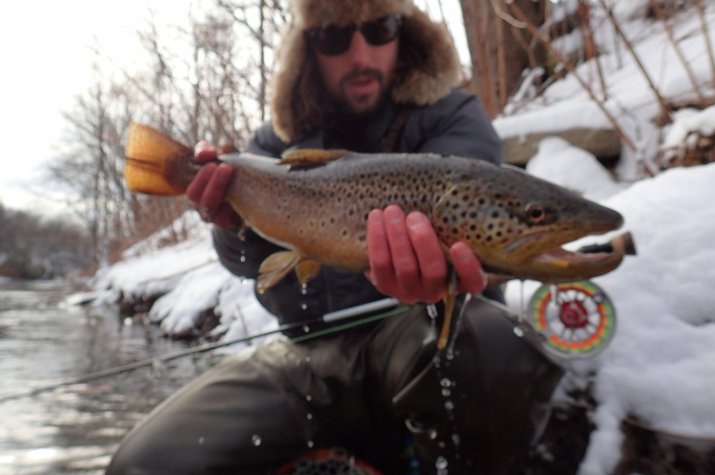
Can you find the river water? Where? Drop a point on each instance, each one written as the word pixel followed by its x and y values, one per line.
pixel 74 429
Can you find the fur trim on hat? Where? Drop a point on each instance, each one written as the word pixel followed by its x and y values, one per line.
pixel 428 65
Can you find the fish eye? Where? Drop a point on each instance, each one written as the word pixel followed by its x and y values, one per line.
pixel 535 213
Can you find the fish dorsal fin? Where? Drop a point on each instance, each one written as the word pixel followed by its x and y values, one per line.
pixel 303 158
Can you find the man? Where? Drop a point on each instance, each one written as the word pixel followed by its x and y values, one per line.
pixel 368 76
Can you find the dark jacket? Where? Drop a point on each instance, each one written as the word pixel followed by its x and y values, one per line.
pixel 454 125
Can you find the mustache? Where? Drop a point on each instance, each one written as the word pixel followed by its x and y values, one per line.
pixel 360 73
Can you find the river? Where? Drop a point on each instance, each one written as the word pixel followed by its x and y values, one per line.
pixel 74 429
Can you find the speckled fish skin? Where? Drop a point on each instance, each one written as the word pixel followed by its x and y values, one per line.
pixel 509 218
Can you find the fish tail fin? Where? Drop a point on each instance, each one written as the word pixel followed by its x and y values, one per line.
pixel 157 164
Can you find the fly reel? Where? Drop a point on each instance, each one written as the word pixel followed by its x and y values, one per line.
pixel 576 319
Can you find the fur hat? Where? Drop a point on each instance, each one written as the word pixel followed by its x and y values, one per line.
pixel 428 65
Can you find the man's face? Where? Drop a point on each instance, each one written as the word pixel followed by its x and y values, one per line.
pixel 360 77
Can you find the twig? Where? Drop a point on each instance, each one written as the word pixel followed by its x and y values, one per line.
pixel 663 17
pixel 590 48
pixel 706 37
pixel 664 111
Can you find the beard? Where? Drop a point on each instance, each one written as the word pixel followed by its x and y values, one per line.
pixel 361 105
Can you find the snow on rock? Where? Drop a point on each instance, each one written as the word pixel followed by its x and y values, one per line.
pixel 156 272
pixel 189 281
pixel 575 168
pixel 566 105
pixel 180 309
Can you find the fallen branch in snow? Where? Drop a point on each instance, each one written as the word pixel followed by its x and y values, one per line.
pixel 698 149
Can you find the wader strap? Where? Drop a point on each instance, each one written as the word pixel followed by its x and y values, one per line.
pixel 389 142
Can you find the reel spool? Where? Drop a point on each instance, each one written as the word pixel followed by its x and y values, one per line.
pixel 576 319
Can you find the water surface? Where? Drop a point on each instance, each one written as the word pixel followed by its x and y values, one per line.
pixel 74 429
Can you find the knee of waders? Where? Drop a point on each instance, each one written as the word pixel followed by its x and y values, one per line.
pixel 481 406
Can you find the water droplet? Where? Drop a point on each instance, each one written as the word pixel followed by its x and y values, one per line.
pixel 304 289
pixel 449 405
pixel 256 440
pixel 306 328
pixel 518 331
pixel 432 434
pixel 304 306
pixel 201 440
pixel 441 463
pixel 445 382
pixel 309 416
pixel 308 397
pixel 455 439
pixel 432 311
pixel 446 392
pixel 310 444
pixel 128 321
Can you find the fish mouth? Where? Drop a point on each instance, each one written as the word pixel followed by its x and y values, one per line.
pixel 559 264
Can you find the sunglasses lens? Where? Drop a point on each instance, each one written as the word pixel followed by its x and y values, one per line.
pixel 334 40
pixel 382 30
pixel 331 40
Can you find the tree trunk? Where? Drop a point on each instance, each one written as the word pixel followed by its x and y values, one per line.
pixel 498 51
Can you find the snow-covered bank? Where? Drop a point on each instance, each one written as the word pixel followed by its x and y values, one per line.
pixel 188 281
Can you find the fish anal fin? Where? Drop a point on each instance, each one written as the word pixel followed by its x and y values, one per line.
pixel 306 270
pixel 303 158
pixel 450 296
pixel 274 268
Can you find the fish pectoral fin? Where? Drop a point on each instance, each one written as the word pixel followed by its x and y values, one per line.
pixel 304 158
pixel 274 268
pixel 306 269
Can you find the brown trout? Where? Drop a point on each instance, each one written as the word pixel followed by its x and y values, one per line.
pixel 315 203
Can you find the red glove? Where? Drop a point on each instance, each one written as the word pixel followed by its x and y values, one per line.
pixel 208 188
pixel 407 261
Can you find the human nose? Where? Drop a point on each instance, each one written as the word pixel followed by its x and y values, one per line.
pixel 359 51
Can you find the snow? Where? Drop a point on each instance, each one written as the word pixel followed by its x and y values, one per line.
pixel 660 367
pixel 575 168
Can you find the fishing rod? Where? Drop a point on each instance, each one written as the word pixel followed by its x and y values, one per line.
pixel 387 308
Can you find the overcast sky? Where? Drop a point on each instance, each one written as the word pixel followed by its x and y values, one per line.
pixel 46 53
pixel 46 57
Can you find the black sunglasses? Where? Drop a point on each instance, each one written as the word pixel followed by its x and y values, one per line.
pixel 334 40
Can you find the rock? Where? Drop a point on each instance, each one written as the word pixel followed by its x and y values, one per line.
pixel 603 143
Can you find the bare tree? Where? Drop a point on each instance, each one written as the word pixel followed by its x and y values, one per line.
pixel 213 85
